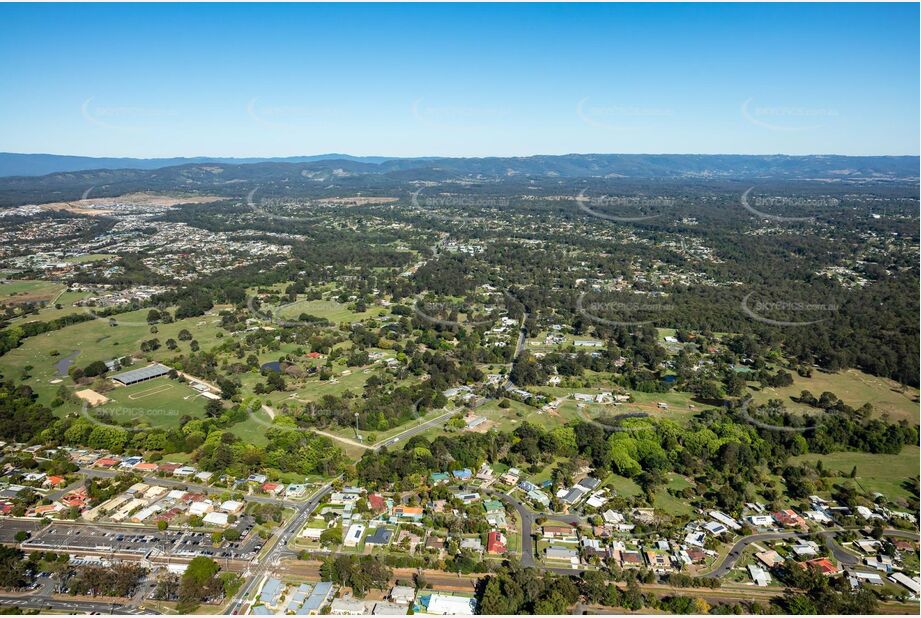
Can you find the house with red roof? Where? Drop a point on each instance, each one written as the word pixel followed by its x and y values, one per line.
pixel 377 503
pixel 146 466
pixel 496 543
pixel 76 499
pixel 106 462
pixel 169 468
pixel 272 488
pixel 824 565
pixel 168 515
pixel 54 481
pixel 789 518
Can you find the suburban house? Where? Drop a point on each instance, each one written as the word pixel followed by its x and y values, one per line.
pixel 562 532
pixel 496 543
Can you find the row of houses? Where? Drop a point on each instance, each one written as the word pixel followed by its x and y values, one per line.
pixel 566 544
pixel 136 463
pixel 278 598
pixel 147 503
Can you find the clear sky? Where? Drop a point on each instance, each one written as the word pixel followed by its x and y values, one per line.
pixel 458 80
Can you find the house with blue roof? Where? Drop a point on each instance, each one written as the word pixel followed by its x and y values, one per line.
pixel 463 475
pixel 271 592
pixel 439 477
pixel 298 597
pixel 317 599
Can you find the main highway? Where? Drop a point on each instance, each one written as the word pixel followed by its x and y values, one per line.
pixel 278 550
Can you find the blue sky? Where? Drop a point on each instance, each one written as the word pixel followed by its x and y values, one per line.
pixel 458 80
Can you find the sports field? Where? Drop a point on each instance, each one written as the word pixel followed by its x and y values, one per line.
pixel 160 402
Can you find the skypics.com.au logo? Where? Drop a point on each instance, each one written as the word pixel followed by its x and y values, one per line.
pixel 756 206
pixel 597 206
pixel 621 313
pixel 783 310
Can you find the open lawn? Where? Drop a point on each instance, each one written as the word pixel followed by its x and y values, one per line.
pixel 89 257
pixel 252 430
pixel 160 402
pixel 50 312
pixel 855 388
pixel 97 340
pixel 331 310
pixel 883 473
pixel 507 419
pixel 622 485
pixel 668 503
pixel 15 292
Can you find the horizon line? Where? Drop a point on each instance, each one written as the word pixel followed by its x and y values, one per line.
pixel 430 156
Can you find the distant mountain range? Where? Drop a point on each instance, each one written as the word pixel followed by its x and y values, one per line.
pixel 341 173
pixel 15 164
pixel 828 167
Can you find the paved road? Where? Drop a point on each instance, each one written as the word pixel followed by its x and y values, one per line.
pixel 522 336
pixel 69 607
pixel 840 554
pixel 279 550
pixel 528 518
pixel 412 431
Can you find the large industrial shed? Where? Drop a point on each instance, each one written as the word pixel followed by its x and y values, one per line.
pixel 140 375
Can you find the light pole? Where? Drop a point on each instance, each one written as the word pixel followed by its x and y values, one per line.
pixel 356 427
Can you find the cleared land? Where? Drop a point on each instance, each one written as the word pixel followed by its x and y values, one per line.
pixel 853 387
pixel 886 474
pixel 101 206
pixel 28 291
pixel 328 309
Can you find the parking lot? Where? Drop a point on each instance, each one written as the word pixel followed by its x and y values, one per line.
pixel 107 540
pixel 9 528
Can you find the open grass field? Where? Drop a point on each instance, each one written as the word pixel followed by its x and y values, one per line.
pixel 669 503
pixel 883 473
pixel 622 485
pixel 90 257
pixel 15 292
pixel 96 340
pixel 253 429
pixel 50 312
pixel 507 419
pixel 160 402
pixel 853 387
pixel 331 310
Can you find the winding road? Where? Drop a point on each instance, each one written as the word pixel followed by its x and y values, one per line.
pixel 839 553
